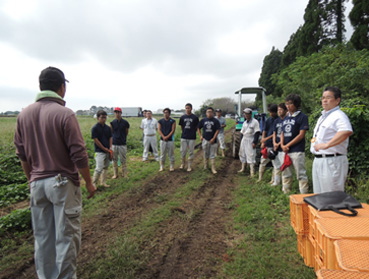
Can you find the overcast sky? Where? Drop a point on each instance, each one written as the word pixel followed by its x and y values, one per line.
pixel 147 53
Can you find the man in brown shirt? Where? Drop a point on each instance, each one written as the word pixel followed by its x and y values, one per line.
pixel 51 148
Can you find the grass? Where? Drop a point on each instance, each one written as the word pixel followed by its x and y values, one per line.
pixel 142 232
pixel 265 245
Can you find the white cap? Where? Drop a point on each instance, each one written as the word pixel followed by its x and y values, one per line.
pixel 247 110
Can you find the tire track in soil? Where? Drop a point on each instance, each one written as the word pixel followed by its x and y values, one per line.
pixel 185 254
pixel 196 247
pixel 124 211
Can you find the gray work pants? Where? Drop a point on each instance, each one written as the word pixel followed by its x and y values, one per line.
pixel 102 161
pixel 56 207
pixel 187 144
pixel 150 141
pixel 209 149
pixel 119 151
pixel 167 147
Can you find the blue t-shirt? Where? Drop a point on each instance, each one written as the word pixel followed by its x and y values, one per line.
pixel 292 125
pixel 166 127
pixel 277 128
pixel 189 126
pixel 103 134
pixel 269 129
pixel 209 127
pixel 119 131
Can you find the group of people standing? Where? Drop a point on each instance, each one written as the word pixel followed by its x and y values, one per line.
pixel 52 152
pixel 283 143
pixel 110 141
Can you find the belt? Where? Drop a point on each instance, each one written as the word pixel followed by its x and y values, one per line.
pixel 328 155
pixel 150 135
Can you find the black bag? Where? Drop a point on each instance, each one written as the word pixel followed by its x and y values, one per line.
pixel 335 201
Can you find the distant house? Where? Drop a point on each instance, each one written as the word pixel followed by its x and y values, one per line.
pixel 131 111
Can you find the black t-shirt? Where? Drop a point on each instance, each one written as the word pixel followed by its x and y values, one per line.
pixel 292 125
pixel 209 127
pixel 278 123
pixel 189 126
pixel 103 134
pixel 119 131
pixel 166 127
pixel 269 129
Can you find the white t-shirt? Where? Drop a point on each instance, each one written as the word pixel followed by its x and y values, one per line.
pixel 329 123
pixel 149 126
pixel 250 128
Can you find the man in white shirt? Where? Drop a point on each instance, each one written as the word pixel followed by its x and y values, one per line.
pixel 251 132
pixel 149 126
pixel 329 144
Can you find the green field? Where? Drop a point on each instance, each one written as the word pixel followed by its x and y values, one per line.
pixel 150 215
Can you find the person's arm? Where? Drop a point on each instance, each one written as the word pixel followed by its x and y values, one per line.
pixel 215 137
pixel 100 145
pixel 296 140
pixel 160 132
pixel 282 143
pixel 275 144
pixel 256 139
pixel 127 130
pixel 172 131
pixel 26 169
pixel 200 135
pixel 338 138
pixel 85 172
pixel 263 140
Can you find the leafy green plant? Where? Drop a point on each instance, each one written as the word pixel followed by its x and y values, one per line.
pixel 13 193
pixel 18 220
pixel 11 170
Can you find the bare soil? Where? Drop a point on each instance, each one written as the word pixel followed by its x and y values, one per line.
pixel 192 243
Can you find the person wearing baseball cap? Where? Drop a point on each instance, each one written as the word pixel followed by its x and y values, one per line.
pixel 120 129
pixel 52 152
pixel 251 132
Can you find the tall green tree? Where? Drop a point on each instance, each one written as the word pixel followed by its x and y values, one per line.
pixel 323 25
pixel 333 21
pixel 290 50
pixel 359 17
pixel 271 65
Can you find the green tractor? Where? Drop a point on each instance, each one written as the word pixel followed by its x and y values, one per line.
pixel 261 117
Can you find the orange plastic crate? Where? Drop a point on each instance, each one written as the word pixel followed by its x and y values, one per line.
pixel 316 214
pixel 331 229
pixel 339 274
pixel 352 255
pixel 299 213
pixel 318 263
pixel 305 249
pixel 309 252
pixel 313 253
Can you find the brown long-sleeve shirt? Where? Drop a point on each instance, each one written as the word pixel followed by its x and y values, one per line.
pixel 49 139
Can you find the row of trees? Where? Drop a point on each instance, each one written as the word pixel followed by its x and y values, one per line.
pixel 323 28
pixel 318 55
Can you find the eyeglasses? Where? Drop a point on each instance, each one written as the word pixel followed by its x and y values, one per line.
pixel 326 98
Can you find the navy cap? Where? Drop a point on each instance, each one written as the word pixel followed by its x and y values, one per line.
pixel 52 74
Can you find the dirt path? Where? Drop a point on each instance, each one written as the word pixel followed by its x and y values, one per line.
pixel 197 247
pixel 190 244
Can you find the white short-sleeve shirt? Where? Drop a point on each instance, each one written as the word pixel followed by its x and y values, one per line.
pixel 329 123
pixel 149 126
pixel 250 128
